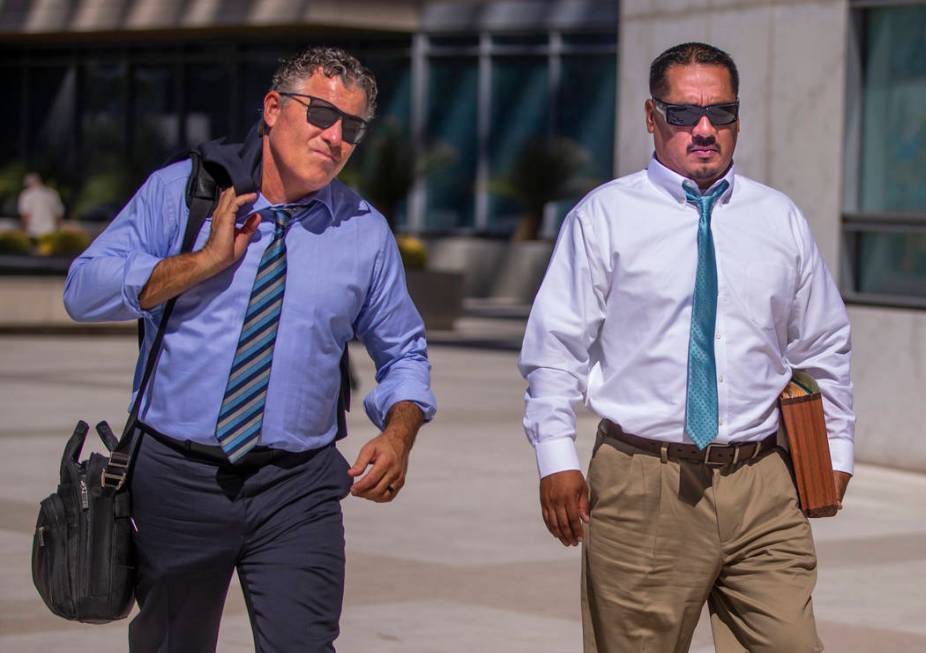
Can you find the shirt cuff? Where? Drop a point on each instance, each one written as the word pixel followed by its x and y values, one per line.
pixel 138 269
pixel 842 454
pixel 556 455
pixel 377 405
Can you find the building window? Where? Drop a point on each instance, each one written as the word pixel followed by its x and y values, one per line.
pixel 498 100
pixel 885 217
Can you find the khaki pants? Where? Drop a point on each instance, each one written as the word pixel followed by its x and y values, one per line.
pixel 666 537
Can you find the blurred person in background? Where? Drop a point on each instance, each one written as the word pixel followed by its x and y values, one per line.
pixel 40 207
pixel 237 468
pixel 676 304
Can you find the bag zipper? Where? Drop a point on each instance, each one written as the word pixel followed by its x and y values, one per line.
pixel 84 497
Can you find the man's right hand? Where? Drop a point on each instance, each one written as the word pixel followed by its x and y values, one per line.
pixel 226 244
pixel 177 274
pixel 564 502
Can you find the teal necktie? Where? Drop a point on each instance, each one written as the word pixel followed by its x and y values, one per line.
pixel 242 413
pixel 701 401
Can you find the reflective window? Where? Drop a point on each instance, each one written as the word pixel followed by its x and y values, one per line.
pixel 208 93
pixel 893 264
pixel 519 119
pixel 894 131
pixel 889 256
pixel 156 129
pixel 452 117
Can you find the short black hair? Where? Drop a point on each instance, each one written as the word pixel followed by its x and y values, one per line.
pixel 685 54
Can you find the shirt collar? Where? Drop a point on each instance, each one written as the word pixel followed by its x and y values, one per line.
pixel 322 196
pixel 670 182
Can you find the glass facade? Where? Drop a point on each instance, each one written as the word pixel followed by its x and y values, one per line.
pixel 887 231
pixel 461 111
pixel 503 102
pixel 96 121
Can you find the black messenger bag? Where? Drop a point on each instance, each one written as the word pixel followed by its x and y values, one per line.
pixel 82 554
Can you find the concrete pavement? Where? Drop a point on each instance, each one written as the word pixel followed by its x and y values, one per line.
pixel 461 561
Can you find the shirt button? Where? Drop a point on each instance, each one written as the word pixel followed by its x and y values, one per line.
pixel 721 421
pixel 720 379
pixel 718 335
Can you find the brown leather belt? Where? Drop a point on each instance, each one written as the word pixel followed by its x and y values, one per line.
pixel 713 455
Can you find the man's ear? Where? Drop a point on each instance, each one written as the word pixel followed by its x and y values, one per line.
pixel 648 112
pixel 271 108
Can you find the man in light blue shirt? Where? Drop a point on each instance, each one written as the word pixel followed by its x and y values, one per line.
pixel 237 467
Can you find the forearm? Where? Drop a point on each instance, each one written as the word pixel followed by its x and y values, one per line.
pixel 403 421
pixel 174 276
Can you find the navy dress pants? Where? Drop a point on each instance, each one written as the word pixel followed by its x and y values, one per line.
pixel 278 524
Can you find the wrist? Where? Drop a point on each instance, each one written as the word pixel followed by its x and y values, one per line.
pixel 206 263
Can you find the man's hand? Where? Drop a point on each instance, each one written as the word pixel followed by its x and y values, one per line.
pixel 226 243
pixel 387 455
pixel 842 482
pixel 177 274
pixel 564 502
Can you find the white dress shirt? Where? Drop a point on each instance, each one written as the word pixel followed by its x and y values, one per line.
pixel 611 322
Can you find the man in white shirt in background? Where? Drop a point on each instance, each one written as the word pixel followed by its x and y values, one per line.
pixel 40 208
pixel 676 304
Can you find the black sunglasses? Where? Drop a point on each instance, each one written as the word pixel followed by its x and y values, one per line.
pixel 322 114
pixel 688 115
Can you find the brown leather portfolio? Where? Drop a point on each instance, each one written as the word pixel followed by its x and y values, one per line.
pixel 802 416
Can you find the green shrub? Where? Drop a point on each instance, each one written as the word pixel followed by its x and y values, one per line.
pixel 14 241
pixel 69 241
pixel 413 252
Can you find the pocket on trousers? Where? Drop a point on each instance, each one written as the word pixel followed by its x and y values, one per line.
pixel 340 464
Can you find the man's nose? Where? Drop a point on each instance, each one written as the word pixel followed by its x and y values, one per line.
pixel 704 128
pixel 332 135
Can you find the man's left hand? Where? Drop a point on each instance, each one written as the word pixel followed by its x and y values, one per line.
pixel 386 455
pixel 842 482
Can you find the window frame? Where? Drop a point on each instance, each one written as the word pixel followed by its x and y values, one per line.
pixel 855 222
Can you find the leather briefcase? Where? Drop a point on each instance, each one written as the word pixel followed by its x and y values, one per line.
pixel 805 427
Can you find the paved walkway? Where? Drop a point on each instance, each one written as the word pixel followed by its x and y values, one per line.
pixel 461 561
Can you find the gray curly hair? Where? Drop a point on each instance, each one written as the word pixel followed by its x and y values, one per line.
pixel 333 62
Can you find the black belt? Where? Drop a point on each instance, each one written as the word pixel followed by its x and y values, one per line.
pixel 713 455
pixel 256 457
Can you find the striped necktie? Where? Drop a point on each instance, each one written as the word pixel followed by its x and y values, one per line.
pixel 242 414
pixel 701 401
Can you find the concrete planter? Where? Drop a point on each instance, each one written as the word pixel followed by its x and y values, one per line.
pixel 495 269
pixel 438 296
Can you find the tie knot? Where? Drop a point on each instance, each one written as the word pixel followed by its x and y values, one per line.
pixel 705 201
pixel 281 215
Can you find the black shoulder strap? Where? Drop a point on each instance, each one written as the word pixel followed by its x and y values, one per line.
pixel 202 193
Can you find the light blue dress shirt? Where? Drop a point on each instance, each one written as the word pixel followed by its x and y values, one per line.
pixel 345 278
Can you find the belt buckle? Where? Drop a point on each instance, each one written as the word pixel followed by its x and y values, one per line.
pixel 707 456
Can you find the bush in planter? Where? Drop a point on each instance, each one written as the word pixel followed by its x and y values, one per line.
pixel 386 167
pixel 414 253
pixel 545 170
pixel 68 241
pixel 14 241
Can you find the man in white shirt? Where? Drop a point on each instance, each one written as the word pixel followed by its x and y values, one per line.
pixel 40 208
pixel 676 304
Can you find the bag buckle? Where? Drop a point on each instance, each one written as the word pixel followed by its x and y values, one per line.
pixel 707 456
pixel 115 478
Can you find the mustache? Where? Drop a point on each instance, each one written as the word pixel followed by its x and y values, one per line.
pixel 702 142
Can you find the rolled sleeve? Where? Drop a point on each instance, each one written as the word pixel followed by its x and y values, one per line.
pixel 103 283
pixel 393 333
